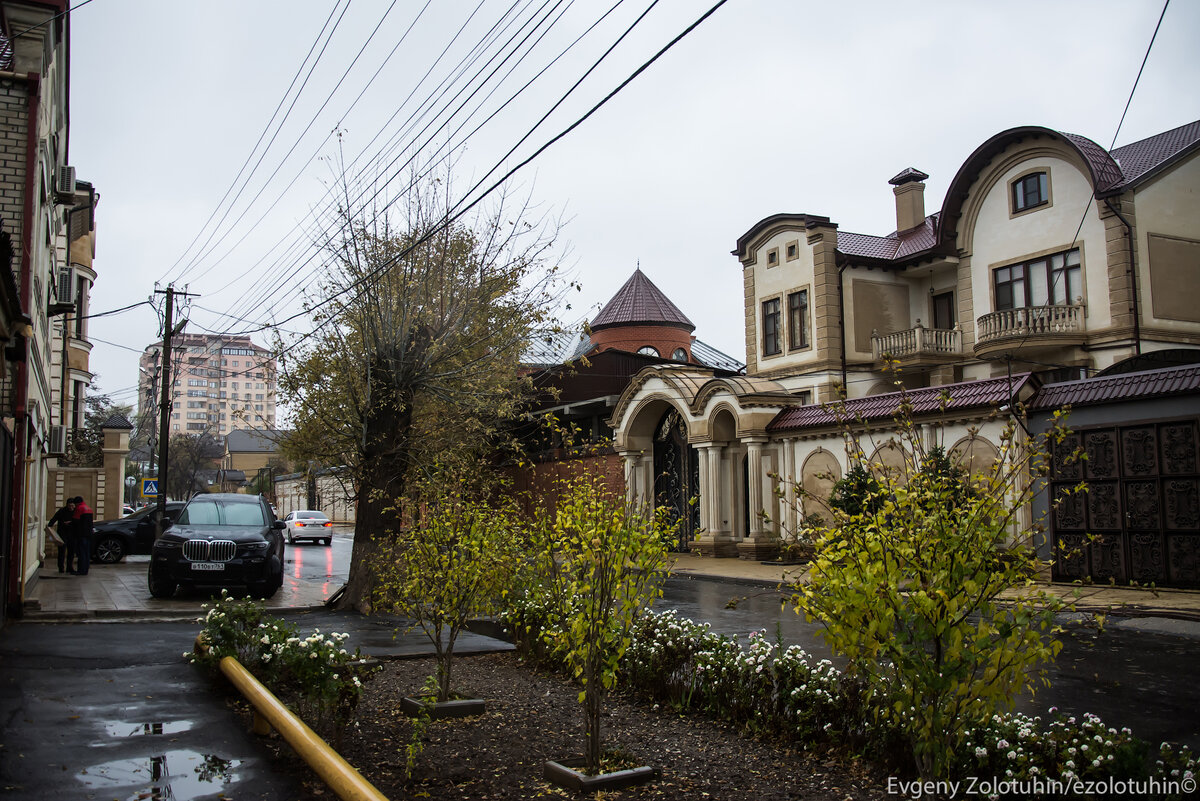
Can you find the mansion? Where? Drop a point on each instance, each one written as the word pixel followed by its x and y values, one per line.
pixel 1050 260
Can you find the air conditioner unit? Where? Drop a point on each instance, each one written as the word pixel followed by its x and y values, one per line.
pixel 65 290
pixel 64 182
pixel 58 440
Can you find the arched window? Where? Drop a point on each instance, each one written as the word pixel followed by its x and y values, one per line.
pixel 680 355
pixel 648 350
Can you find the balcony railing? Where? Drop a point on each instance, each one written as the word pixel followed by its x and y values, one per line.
pixel 918 341
pixel 1031 321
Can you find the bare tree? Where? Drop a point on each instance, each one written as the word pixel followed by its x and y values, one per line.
pixel 416 357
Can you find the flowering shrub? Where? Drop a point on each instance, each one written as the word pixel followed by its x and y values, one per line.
pixel 764 687
pixel 1021 748
pixel 320 678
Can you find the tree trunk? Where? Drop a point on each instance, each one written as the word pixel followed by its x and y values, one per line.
pixel 593 695
pixel 385 464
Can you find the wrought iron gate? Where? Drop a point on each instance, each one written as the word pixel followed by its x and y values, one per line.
pixel 1141 508
pixel 677 476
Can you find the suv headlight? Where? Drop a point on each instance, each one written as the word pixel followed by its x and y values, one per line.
pixel 255 547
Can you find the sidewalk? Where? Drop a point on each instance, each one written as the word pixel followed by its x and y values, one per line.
pixel 119 591
pixel 1117 601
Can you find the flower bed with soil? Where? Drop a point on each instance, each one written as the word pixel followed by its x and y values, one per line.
pixel 533 716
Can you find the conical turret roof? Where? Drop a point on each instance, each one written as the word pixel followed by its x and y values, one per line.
pixel 640 302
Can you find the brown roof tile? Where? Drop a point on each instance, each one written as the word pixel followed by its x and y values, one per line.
pixel 1140 160
pixel 640 302
pixel 1146 384
pixel 988 392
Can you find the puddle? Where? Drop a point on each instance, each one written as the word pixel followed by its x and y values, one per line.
pixel 121 728
pixel 170 776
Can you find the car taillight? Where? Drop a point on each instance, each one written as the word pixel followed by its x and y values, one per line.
pixel 328 524
pixel 299 525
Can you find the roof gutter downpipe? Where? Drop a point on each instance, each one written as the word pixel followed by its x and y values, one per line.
pixel 842 326
pixel 1133 285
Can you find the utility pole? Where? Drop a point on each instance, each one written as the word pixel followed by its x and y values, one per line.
pixel 164 412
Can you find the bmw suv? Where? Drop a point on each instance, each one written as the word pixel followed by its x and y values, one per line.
pixel 220 540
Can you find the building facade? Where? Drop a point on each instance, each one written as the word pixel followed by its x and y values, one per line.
pixel 1050 259
pixel 47 247
pixel 219 384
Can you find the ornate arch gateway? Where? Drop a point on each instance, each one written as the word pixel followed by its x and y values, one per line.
pixel 677 477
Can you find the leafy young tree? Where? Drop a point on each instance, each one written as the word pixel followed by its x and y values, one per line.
pixel 454 564
pixel 923 583
pixel 603 563
pixel 416 357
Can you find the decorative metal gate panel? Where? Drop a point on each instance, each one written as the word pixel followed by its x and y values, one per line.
pixel 1141 508
pixel 677 476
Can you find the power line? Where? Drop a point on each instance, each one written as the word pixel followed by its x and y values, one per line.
pixel 261 135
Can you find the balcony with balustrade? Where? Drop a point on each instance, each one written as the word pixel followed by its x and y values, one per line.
pixel 918 346
pixel 1030 328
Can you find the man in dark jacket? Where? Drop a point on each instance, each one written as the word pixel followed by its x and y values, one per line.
pixel 83 517
pixel 64 522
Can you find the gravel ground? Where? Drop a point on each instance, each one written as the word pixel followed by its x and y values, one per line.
pixel 533 716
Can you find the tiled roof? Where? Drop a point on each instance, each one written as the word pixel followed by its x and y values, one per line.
pixel 988 392
pixel 1105 171
pixel 1139 160
pixel 117 420
pixel 896 245
pixel 640 302
pixel 1146 384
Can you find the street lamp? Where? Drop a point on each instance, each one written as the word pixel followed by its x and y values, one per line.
pixel 130 483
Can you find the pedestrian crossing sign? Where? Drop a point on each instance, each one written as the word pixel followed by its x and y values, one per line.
pixel 149 487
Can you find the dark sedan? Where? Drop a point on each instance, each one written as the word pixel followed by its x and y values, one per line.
pixel 113 540
pixel 221 540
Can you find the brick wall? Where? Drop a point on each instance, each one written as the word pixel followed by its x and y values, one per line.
pixel 14 132
pixel 536 485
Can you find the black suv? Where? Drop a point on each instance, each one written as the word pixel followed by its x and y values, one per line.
pixel 220 539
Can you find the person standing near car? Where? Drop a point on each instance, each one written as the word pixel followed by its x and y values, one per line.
pixel 64 523
pixel 83 517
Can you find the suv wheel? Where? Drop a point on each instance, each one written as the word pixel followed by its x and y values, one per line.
pixel 109 549
pixel 160 586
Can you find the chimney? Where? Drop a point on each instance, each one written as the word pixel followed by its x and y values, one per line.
pixel 910 198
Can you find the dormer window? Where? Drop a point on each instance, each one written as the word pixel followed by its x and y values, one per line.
pixel 680 355
pixel 1030 191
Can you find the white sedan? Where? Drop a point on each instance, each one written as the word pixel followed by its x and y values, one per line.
pixel 305 524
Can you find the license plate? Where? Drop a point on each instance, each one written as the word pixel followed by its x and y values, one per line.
pixel 208 565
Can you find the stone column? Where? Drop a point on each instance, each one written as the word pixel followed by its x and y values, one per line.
pixel 760 544
pixel 645 500
pixel 630 461
pixel 716 539
pixel 790 477
pixel 111 481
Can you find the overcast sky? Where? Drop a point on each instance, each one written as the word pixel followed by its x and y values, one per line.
pixel 769 106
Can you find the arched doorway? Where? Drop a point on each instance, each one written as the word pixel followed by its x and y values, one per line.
pixel 677 476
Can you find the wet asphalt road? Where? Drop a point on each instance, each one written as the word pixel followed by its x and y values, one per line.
pixel 112 711
pixel 1129 677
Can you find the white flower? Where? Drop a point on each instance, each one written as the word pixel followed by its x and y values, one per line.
pixel 1070 763
pixel 1012 754
pixel 980 752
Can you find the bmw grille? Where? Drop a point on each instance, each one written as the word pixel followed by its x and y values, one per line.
pixel 209 550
